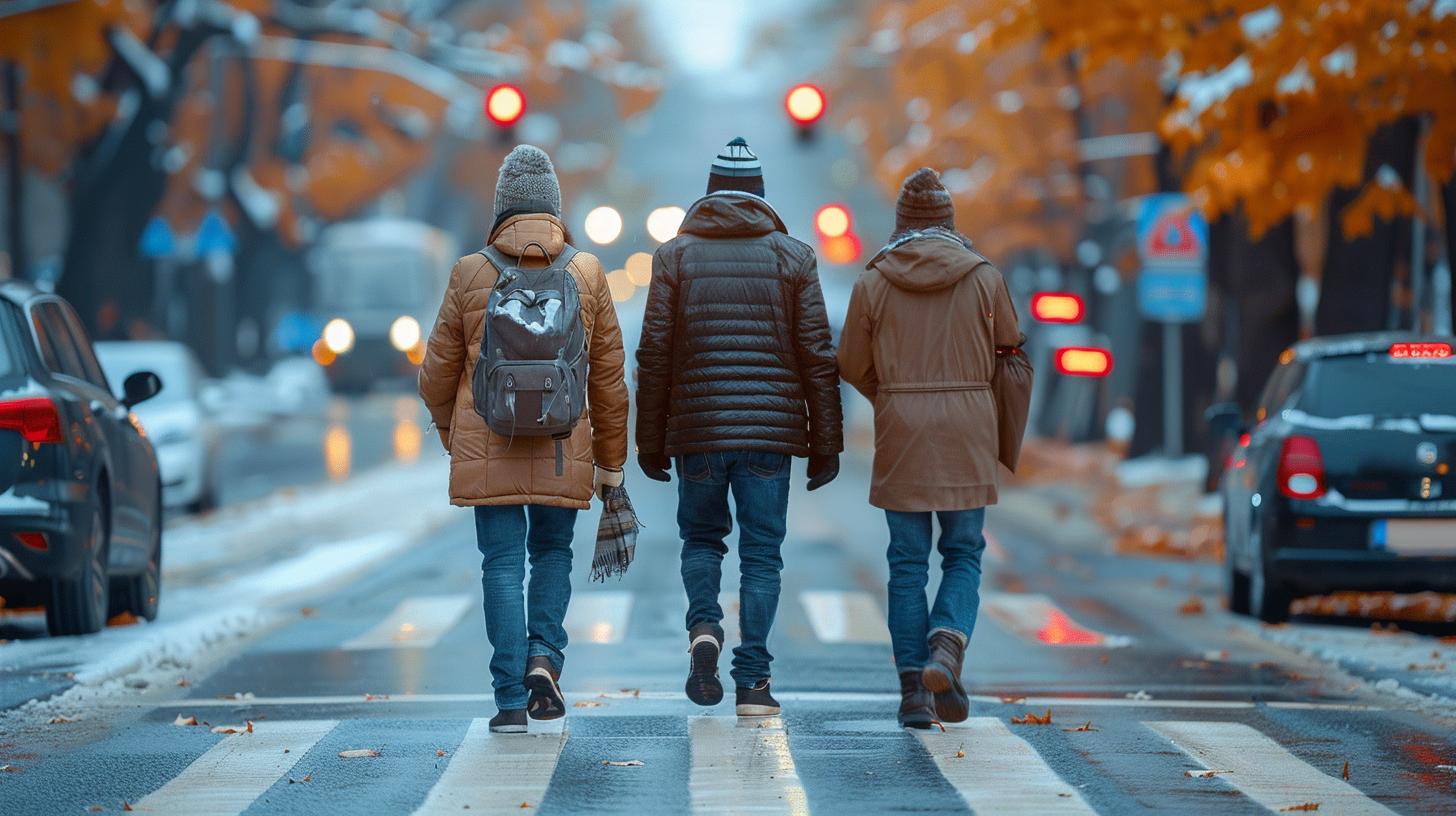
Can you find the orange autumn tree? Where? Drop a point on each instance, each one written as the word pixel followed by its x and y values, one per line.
pixel 1001 123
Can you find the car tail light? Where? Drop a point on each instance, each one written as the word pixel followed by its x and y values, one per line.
pixel 1301 469
pixel 35 541
pixel 34 418
pixel 1078 361
pixel 1057 307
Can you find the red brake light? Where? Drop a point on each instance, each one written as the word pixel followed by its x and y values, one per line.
pixel 1057 307
pixel 34 418
pixel 1078 361
pixel 1301 469
pixel 832 221
pixel 1420 351
pixel 35 541
pixel 805 103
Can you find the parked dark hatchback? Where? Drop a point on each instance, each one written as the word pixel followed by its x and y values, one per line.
pixel 1344 480
pixel 80 511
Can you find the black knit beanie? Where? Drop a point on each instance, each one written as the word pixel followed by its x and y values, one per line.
pixel 923 203
pixel 736 168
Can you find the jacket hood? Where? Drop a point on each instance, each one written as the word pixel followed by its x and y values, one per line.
pixel 926 260
pixel 516 234
pixel 731 214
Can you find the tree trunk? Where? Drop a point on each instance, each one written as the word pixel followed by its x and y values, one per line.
pixel 1355 291
pixel 1263 273
pixel 14 177
pixel 1448 208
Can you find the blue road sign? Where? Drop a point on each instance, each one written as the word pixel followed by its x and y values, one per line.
pixel 214 235
pixel 1172 240
pixel 158 240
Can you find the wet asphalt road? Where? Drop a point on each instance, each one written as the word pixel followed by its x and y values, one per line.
pixel 395 661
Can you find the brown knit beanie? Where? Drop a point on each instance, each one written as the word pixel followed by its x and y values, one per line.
pixel 924 202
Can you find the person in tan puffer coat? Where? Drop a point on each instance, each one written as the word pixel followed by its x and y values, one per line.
pixel 526 491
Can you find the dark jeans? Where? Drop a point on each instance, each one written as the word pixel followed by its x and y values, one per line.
pixel 760 485
pixel 517 630
pixel 959 598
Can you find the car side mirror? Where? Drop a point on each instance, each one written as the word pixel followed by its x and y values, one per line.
pixel 1224 418
pixel 140 387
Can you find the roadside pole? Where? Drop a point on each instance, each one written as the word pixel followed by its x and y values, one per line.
pixel 1172 240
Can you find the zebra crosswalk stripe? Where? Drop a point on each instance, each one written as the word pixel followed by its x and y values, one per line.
pixel 743 766
pixel 494 773
pixel 844 617
pixel 417 623
pixel 996 771
pixel 1263 770
pixel 227 778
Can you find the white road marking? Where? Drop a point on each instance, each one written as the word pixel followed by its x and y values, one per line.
pixel 598 616
pixel 1262 770
pixel 844 617
pixel 495 773
pixel 743 766
pixel 999 772
pixel 225 780
pixel 1036 618
pixel 417 623
pixel 830 697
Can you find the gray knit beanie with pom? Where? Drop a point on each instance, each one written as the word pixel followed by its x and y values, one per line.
pixel 527 182
pixel 923 203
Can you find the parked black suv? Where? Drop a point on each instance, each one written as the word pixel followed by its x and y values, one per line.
pixel 80 511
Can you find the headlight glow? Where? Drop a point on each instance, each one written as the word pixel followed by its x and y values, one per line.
pixel 338 336
pixel 404 333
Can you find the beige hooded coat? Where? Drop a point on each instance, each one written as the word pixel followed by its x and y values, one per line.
pixel 920 343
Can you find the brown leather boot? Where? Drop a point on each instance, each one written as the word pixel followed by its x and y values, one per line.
pixel 942 675
pixel 916 702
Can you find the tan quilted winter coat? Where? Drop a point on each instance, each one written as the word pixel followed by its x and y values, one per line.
pixel 488 469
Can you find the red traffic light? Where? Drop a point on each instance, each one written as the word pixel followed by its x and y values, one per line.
pixel 805 103
pixel 1081 361
pixel 832 221
pixel 1057 307
pixel 505 104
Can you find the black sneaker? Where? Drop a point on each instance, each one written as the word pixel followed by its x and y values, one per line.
pixel 757 701
pixel 546 702
pixel 703 686
pixel 509 721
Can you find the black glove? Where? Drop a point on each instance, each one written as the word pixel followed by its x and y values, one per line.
pixel 823 467
pixel 655 466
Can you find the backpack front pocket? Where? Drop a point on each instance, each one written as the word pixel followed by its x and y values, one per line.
pixel 529 399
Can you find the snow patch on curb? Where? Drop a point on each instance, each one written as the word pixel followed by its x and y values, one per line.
pixel 1417 668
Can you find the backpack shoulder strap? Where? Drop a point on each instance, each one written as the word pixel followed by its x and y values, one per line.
pixel 496 258
pixel 564 258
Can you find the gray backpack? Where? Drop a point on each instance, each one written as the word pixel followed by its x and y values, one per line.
pixel 530 379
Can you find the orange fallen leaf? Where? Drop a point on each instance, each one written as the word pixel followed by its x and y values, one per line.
pixel 307 611
pixel 525 805
pixel 1345 774
pixel 1300 808
pixel 185 720
pixel 960 753
pixel 1208 774
pixel 1030 718
pixel 1086 726
pixel 358 753
pixel 126 806
pixel 587 704
pixel 121 619
pixel 369 698
pixel 1192 606
pixel 183 682
pixel 624 763
pixel 60 720
pixel 1447 639
pixel 226 729
pixel 308 777
pixel 9 769
pixel 439 752
pixel 938 724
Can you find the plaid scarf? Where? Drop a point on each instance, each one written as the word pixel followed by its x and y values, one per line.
pixel 616 535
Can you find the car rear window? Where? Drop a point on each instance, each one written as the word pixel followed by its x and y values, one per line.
pixel 12 335
pixel 1374 384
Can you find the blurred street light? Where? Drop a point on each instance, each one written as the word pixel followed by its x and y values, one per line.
pixel 1057 307
pixel 841 249
pixel 1080 361
pixel 663 222
pixel 620 285
pixel 639 268
pixel 832 221
pixel 505 104
pixel 603 225
pixel 805 104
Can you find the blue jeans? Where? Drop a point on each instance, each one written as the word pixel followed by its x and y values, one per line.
pixel 519 631
pixel 760 485
pixel 959 598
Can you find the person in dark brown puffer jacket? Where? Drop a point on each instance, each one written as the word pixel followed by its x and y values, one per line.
pixel 736 374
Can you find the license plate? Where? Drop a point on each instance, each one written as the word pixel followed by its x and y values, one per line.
pixel 1416 536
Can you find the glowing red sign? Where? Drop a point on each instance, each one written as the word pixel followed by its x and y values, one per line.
pixel 1420 351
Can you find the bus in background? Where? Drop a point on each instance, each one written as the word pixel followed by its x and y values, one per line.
pixel 377 285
